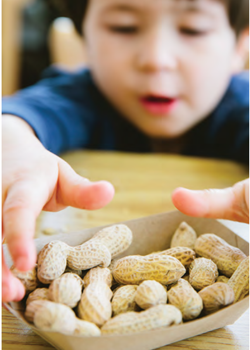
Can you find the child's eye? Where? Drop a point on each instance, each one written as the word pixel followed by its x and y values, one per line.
pixel 192 32
pixel 124 29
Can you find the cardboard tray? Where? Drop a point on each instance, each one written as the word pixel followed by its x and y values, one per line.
pixel 150 234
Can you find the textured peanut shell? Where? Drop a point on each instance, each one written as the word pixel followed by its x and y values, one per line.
pixel 184 254
pixel 28 278
pixel 87 329
pixel 226 257
pixel 98 274
pixel 239 281
pixel 55 317
pixel 184 236
pixel 32 307
pixel 124 299
pixel 52 261
pixel 186 299
pixel 55 256
pixel 50 316
pixel 116 238
pixel 95 305
pixel 216 296
pixel 38 294
pixel 66 289
pixel 202 273
pixel 88 255
pixel 150 293
pixel 222 278
pixel 136 269
pixel 132 322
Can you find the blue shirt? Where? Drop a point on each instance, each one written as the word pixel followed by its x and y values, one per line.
pixel 68 111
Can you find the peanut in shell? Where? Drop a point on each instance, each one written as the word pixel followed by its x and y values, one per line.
pixel 202 273
pixel 225 256
pixel 184 236
pixel 183 296
pixel 216 296
pixel 135 269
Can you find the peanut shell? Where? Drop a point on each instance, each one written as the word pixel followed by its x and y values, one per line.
pixel 184 236
pixel 216 296
pixel 150 293
pixel 183 296
pixel 225 256
pixel 202 273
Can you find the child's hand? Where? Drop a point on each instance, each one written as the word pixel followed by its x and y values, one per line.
pixel 34 180
pixel 230 203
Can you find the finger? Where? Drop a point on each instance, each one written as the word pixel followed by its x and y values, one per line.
pixel 226 203
pixel 12 287
pixel 76 191
pixel 23 204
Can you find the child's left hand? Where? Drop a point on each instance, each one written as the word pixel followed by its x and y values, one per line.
pixel 231 203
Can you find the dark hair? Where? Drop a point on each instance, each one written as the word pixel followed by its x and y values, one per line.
pixel 238 12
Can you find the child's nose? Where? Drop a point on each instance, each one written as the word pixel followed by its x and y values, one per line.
pixel 157 52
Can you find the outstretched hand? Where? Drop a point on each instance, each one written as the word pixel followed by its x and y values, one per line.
pixel 35 180
pixel 231 203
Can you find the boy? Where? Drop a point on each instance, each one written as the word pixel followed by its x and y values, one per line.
pixel 160 79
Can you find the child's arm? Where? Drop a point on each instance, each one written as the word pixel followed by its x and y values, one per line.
pixel 230 203
pixel 33 180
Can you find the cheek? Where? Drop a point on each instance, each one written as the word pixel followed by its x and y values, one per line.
pixel 207 79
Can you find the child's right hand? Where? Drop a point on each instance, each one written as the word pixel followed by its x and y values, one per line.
pixel 33 180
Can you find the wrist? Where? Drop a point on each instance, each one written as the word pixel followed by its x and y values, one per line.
pixel 14 123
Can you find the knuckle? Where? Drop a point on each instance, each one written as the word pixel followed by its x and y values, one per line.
pixel 14 204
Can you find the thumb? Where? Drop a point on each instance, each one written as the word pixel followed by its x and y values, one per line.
pixel 231 203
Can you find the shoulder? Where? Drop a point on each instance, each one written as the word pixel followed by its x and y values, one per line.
pixel 234 106
pixel 237 93
pixel 60 79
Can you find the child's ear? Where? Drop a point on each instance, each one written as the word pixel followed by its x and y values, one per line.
pixel 241 55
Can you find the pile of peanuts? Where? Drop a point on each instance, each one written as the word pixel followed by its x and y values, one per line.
pixel 83 290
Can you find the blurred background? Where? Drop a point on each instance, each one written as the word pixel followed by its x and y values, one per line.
pixel 34 36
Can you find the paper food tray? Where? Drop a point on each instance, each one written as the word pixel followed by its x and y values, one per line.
pixel 150 234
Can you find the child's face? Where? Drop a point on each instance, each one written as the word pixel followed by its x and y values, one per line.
pixel 164 64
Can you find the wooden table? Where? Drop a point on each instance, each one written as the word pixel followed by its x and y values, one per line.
pixel 143 186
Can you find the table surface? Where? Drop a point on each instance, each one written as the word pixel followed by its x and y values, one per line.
pixel 143 185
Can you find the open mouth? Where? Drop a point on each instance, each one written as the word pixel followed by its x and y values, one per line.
pixel 158 105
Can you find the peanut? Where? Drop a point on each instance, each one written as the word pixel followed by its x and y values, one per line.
pixel 97 275
pixel 239 281
pixel 150 293
pixel 202 273
pixel 136 269
pixel 54 256
pixel 216 296
pixel 226 257
pixel 183 296
pixel 28 278
pixel 50 316
pixel 66 289
pixel 184 236
pixel 95 305
pixel 124 299
pixel 183 254
pixel 132 322
pixel 222 279
pixel 116 238
pixel 38 294
pixel 32 307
